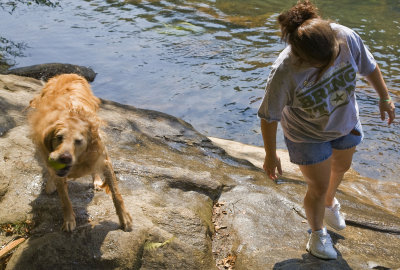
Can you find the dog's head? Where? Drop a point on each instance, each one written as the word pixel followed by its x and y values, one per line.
pixel 67 141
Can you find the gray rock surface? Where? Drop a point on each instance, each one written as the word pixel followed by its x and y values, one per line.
pixel 271 230
pixel 48 70
pixel 194 200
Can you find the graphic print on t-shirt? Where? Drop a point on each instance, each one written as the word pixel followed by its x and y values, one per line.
pixel 330 93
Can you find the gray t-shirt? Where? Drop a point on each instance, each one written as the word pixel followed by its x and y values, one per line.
pixel 319 111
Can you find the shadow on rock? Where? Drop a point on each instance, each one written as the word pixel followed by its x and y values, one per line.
pixel 96 244
pixel 309 262
pixel 89 247
pixel 93 245
pixel 6 121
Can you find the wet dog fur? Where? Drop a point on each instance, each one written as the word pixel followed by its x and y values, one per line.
pixel 66 129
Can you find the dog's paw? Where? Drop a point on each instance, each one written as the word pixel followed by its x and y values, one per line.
pixel 126 222
pixel 50 186
pixel 69 224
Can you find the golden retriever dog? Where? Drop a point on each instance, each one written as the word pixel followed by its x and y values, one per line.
pixel 66 131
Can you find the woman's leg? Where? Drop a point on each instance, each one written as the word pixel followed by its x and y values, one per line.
pixel 317 177
pixel 340 164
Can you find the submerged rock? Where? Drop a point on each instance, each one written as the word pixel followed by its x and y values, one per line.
pixel 48 70
pixel 173 179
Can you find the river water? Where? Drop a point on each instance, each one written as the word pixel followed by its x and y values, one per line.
pixel 205 61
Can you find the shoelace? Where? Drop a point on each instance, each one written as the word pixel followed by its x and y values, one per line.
pixel 326 239
pixel 336 207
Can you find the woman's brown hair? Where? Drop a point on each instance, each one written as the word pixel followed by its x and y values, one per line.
pixel 311 38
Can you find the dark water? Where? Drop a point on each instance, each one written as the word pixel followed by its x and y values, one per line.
pixel 204 61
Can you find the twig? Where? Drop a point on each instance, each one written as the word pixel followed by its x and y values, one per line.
pixel 10 246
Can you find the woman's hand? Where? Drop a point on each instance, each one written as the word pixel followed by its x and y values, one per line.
pixel 271 163
pixel 387 106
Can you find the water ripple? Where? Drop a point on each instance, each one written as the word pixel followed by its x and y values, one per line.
pixel 206 61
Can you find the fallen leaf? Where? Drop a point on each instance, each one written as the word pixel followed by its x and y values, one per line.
pixel 152 245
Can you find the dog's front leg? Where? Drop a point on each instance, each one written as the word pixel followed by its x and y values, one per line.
pixel 50 185
pixel 69 215
pixel 125 219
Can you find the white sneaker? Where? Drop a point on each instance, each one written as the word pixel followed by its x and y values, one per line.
pixel 333 217
pixel 320 245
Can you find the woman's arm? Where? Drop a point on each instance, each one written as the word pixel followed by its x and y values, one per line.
pixel 385 103
pixel 272 161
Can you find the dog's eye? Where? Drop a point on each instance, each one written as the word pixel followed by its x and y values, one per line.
pixel 59 138
pixel 78 142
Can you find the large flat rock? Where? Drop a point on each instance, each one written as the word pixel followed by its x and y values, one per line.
pixel 194 201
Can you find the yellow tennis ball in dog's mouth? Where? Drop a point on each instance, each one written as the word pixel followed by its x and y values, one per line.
pixel 56 165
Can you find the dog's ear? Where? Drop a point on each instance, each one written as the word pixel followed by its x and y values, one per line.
pixel 93 131
pixel 48 137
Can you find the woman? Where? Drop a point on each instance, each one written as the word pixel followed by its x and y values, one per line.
pixel 311 91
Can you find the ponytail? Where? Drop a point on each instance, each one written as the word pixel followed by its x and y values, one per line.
pixel 290 20
pixel 311 38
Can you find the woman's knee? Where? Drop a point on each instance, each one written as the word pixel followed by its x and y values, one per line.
pixel 341 160
pixel 340 166
pixel 317 175
pixel 317 191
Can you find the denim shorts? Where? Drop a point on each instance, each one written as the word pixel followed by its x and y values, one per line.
pixel 311 153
